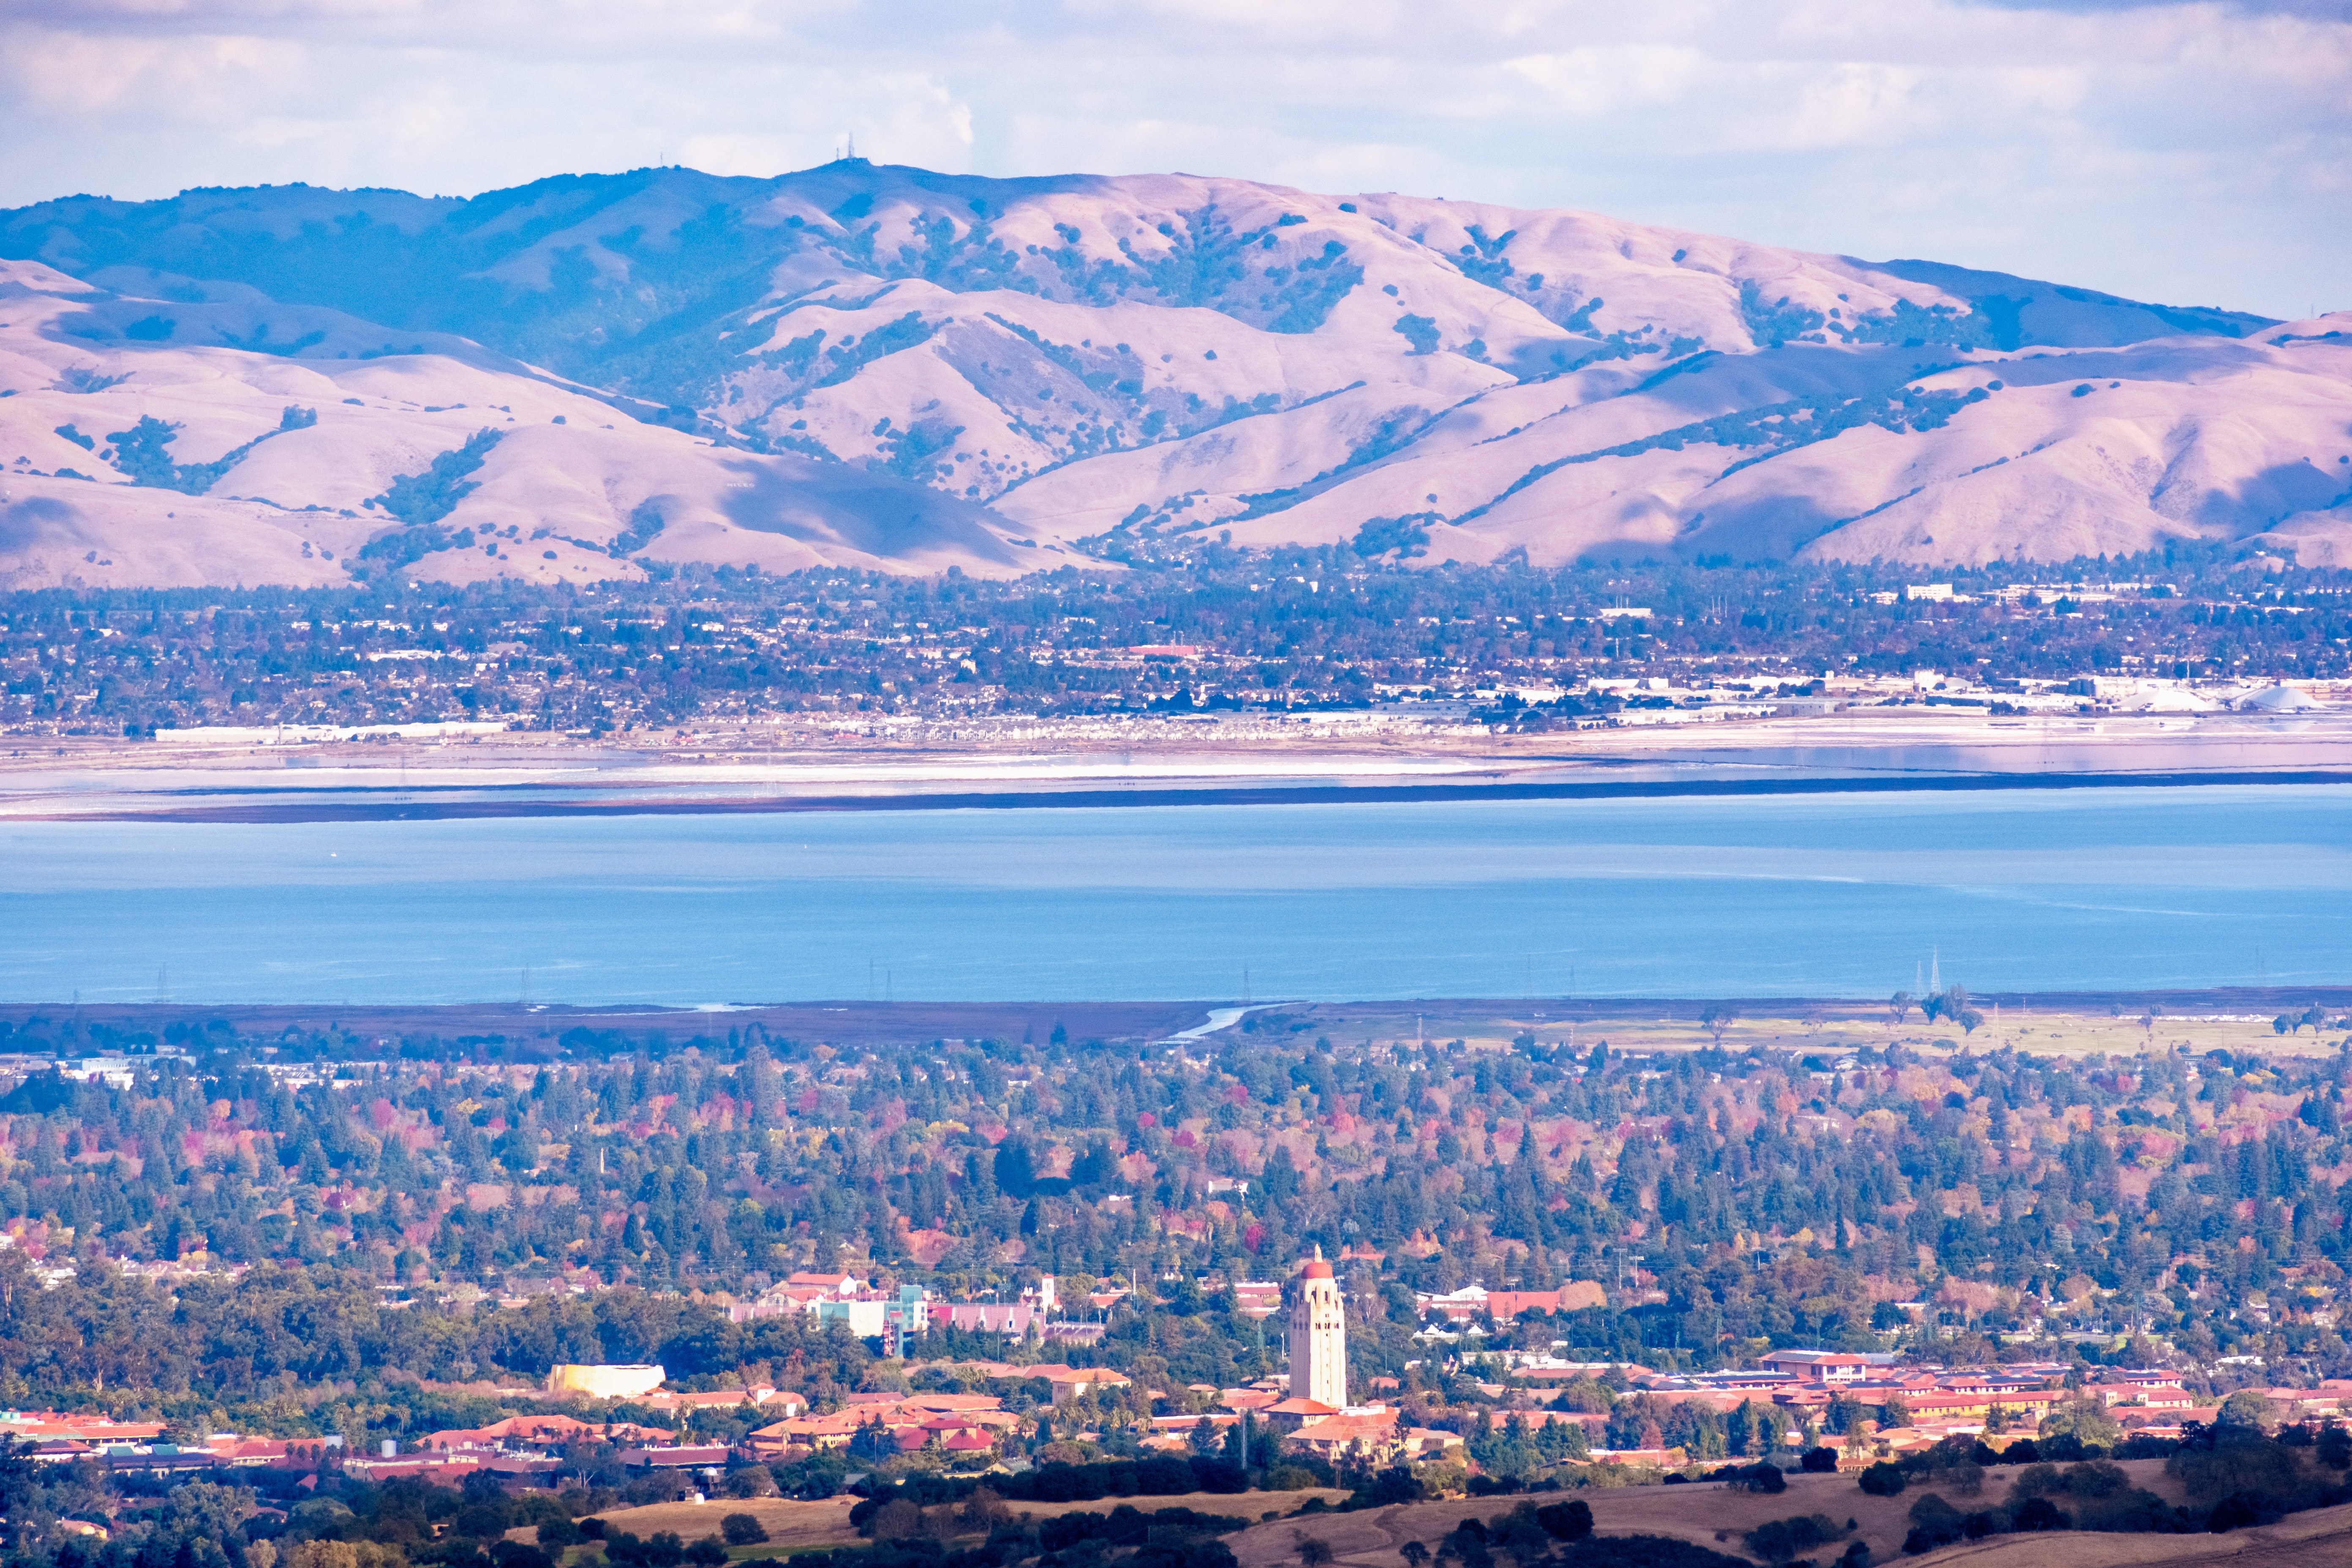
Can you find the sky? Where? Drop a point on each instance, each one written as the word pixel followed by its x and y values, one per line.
pixel 2190 153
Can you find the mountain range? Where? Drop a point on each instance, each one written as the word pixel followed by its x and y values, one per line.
pixel 599 376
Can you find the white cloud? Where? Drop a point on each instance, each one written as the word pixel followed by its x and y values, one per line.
pixel 1854 103
pixel 2192 152
pixel 1611 79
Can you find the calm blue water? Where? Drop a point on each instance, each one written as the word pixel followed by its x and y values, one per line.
pixel 1821 895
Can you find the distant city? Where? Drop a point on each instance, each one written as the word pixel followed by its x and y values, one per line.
pixel 1241 638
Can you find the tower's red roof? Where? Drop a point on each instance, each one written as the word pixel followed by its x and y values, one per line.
pixel 1318 1269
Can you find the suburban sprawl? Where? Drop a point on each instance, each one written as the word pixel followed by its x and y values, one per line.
pixel 483 1297
pixel 1298 636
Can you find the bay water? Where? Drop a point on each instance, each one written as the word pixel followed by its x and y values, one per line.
pixel 1811 895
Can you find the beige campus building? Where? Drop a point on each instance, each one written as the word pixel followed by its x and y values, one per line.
pixel 606 1381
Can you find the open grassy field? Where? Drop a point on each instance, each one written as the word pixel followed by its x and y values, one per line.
pixel 791 1524
pixel 1706 1514
pixel 1235 1505
pixel 2075 1026
pixel 794 1526
pixel 2320 1539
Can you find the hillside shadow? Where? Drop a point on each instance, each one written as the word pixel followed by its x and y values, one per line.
pixel 833 504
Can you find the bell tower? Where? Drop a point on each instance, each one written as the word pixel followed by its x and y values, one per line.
pixel 1318 1336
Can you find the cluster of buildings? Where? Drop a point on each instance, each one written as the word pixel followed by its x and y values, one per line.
pixel 1309 1405
pixel 1474 1301
pixel 1910 1406
pixel 908 1312
pixel 1378 1432
pixel 526 1448
pixel 535 1446
pixel 962 1425
pixel 1699 697
pixel 139 1447
pixel 1802 1393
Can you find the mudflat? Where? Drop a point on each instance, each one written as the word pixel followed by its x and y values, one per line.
pixel 286 774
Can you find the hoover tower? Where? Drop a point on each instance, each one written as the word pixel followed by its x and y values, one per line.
pixel 1318 1337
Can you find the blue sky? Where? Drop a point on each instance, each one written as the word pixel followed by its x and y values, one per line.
pixel 2191 153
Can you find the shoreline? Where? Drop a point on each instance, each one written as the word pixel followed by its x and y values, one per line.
pixel 2238 1016
pixel 759 769
pixel 322 806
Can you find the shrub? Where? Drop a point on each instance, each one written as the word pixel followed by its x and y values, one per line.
pixel 556 1534
pixel 896 1520
pixel 2140 1446
pixel 2037 1480
pixel 1520 1536
pixel 813 1476
pixel 749 1481
pixel 1945 1456
pixel 2334 1446
pixel 2130 1512
pixel 1467 1543
pixel 1966 1479
pixel 2036 1513
pixel 2246 1409
pixel 1783 1539
pixel 2104 1498
pixel 2235 1511
pixel 742 1530
pixel 2097 1479
pixel 1819 1461
pixel 1935 1521
pixel 1221 1475
pixel 663 1549
pixel 1566 1520
pixel 2087 1422
pixel 1643 1551
pixel 1883 1480
pixel 1396 1484
pixel 983 1509
pixel 2233 1465
pixel 1757 1478
pixel 1289 1478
